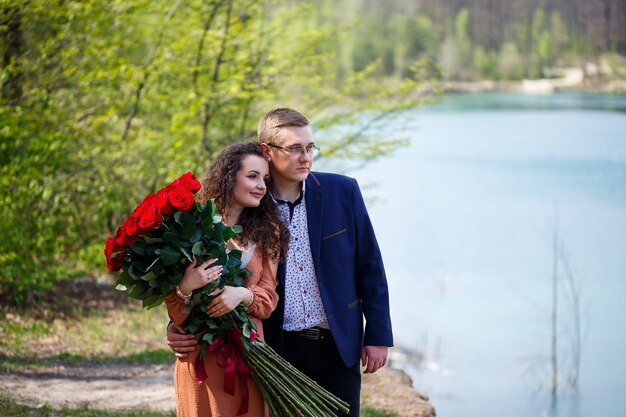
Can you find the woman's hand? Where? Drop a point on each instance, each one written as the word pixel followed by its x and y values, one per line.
pixel 195 278
pixel 227 299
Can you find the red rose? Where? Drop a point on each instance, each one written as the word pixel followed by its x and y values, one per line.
pixel 149 217
pixel 189 182
pixel 161 203
pixel 113 263
pixel 109 247
pixel 181 198
pixel 122 237
pixel 130 225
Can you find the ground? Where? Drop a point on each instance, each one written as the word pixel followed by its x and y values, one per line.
pixel 75 347
pixel 150 387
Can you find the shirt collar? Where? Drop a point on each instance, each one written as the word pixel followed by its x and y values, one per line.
pixel 295 203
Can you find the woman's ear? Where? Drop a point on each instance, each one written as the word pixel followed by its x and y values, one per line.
pixel 266 152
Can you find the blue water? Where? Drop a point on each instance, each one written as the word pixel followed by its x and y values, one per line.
pixel 465 217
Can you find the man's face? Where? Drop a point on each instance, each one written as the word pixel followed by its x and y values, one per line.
pixel 285 162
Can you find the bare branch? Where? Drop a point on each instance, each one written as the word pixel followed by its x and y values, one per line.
pixel 200 50
pixel 148 69
pixel 208 102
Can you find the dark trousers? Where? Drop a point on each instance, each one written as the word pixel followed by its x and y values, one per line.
pixel 320 361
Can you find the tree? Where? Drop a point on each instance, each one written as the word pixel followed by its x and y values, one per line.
pixel 103 103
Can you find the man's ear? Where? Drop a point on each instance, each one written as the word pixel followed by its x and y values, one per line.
pixel 266 152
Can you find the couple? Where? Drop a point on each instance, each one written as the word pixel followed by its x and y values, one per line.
pixel 316 270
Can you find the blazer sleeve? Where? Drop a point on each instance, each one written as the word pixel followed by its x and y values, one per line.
pixel 370 276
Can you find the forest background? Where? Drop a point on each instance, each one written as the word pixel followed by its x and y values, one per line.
pixel 104 102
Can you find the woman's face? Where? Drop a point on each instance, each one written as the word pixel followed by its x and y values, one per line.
pixel 250 182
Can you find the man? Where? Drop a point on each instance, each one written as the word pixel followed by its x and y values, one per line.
pixel 333 276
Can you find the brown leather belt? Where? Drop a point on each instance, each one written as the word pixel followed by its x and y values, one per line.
pixel 315 333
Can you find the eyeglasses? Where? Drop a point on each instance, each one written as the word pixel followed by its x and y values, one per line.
pixel 295 151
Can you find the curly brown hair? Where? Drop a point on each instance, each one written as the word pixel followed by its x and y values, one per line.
pixel 261 225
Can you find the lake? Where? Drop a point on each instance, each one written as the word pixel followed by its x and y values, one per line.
pixel 466 217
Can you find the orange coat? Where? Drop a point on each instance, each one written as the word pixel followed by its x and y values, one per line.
pixel 210 399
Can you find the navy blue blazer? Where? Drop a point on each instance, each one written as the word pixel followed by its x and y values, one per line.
pixel 348 265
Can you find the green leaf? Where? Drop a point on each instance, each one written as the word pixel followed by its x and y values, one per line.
pixel 246 330
pixel 189 218
pixel 133 272
pixel 187 254
pixel 156 266
pixel 151 240
pixel 197 235
pixel 165 288
pixel 171 237
pixel 139 291
pixel 138 249
pixel 208 337
pixel 149 277
pixel 153 301
pixel 121 287
pixel 198 248
pixel 228 234
pixel 125 280
pixel 189 230
pixel 169 255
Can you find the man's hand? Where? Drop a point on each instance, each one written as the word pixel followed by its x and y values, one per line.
pixel 373 358
pixel 180 342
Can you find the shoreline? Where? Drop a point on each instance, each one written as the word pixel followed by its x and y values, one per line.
pixel 533 87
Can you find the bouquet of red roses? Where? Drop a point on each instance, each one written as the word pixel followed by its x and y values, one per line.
pixel 152 248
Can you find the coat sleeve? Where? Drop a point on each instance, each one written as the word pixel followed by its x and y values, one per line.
pixel 175 306
pixel 264 289
pixel 371 278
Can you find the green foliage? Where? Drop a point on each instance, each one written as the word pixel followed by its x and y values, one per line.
pixel 486 63
pixel 510 63
pixel 461 24
pixel 102 101
pixel 155 261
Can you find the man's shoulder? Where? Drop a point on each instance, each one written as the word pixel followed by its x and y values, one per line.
pixel 330 178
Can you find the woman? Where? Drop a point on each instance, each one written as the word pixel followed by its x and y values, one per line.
pixel 236 180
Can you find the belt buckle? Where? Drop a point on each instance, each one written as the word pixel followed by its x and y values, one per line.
pixel 311 334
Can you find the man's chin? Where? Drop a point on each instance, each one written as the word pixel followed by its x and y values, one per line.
pixel 301 175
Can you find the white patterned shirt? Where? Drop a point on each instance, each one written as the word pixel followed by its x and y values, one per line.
pixel 303 303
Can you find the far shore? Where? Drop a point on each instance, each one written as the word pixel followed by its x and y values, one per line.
pixel 542 86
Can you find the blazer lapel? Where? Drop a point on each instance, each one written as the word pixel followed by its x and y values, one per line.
pixel 314 212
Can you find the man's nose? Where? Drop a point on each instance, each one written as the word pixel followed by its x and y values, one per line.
pixel 306 156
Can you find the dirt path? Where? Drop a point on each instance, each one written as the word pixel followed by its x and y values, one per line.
pixel 112 387
pixel 150 387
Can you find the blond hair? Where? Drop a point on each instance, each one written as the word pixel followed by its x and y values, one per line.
pixel 269 127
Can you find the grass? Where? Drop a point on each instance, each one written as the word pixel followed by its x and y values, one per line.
pixel 10 408
pixel 98 326
pixel 123 332
pixel 371 412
